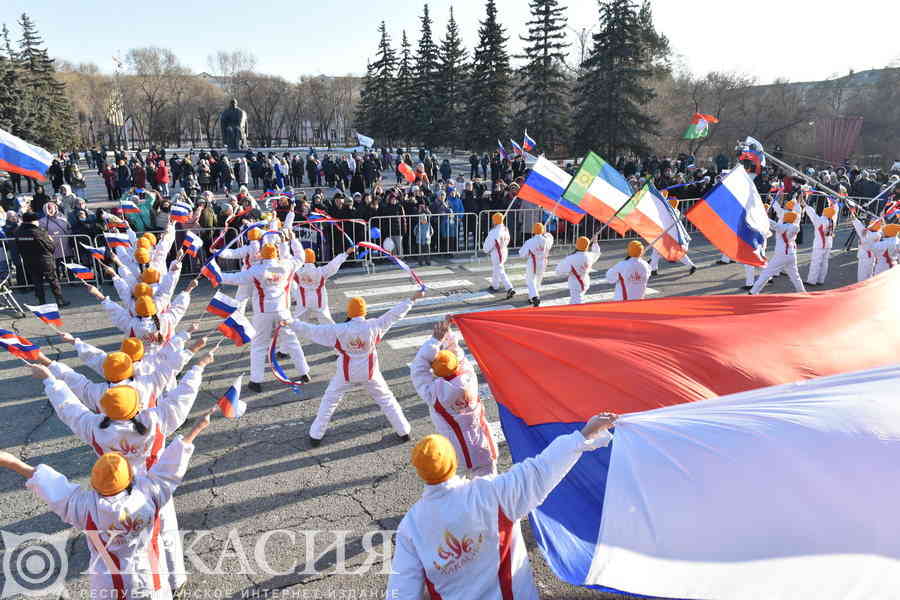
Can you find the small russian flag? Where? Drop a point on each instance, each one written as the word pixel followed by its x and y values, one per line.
pixel 117 240
pixel 230 402
pixel 502 150
pixel 517 148
pixel 48 313
pixel 192 243
pixel 528 142
pixel 237 329
pixel 222 305
pixel 129 207
pixel 180 213
pixel 80 271
pixel 212 272
pixel 18 346
pixel 97 253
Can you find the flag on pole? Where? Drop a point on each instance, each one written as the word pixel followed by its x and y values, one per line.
pixel 545 186
pixel 129 207
pixel 230 402
pixel 699 127
pixel 502 150
pixel 651 217
pixel 517 148
pixel 18 346
pixel 48 313
pixel 192 243
pixel 80 271
pixel 528 142
pixel 18 156
pixel 237 329
pixel 733 219
pixel 600 190
pixel 117 240
pixel 753 151
pixel 97 253
pixel 180 213
pixel 222 305
pixel 212 272
pixel 407 172
pixel 364 140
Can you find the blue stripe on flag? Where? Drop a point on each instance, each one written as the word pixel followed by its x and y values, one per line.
pixel 734 215
pixel 551 190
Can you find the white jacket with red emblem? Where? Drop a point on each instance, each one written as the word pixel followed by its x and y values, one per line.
pixel 144 327
pixel 270 283
pixel 629 277
pixel 496 243
pixel 462 541
pixel 123 525
pixel 578 265
pixel 456 410
pixel 310 280
pixel 535 252
pixel 140 450
pixel 354 341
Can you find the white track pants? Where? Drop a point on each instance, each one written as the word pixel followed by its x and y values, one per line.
pixel 786 263
pixel 576 294
pixel 654 260
pixel 818 265
pixel 498 274
pixel 534 282
pixel 378 390
pixel 864 267
pixel 170 545
pixel 264 324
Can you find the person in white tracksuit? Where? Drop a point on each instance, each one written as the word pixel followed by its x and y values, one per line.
pixel 154 327
pixel 868 237
pixel 577 267
pixel 629 276
pixel 138 435
pixel 248 254
pixel 685 260
pixel 887 251
pixel 784 257
pixel 445 379
pixel 118 501
pixel 823 239
pixel 496 245
pixel 355 342
pixel 270 280
pixel 536 251
pixel 461 540
pixel 309 290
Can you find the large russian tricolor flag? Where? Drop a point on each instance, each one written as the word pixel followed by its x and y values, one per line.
pixel 641 355
pixel 601 191
pixel 545 186
pixel 18 156
pixel 733 219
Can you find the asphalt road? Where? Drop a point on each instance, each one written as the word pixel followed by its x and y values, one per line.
pixel 258 474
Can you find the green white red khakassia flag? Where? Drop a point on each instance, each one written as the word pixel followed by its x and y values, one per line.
pixel 652 218
pixel 699 127
pixel 599 190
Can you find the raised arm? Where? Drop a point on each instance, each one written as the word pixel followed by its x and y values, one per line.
pixel 387 320
pixel 91 356
pixel 68 408
pixel 173 408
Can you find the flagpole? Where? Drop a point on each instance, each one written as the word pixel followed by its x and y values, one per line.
pixel 660 236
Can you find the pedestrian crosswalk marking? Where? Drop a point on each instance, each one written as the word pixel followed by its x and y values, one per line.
pixel 435 317
pixel 393 274
pixel 408 289
pixel 433 300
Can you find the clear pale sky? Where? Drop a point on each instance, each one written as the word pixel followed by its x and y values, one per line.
pixel 796 39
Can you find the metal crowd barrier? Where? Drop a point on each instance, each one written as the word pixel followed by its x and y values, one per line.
pixel 330 239
pixel 67 246
pixel 451 233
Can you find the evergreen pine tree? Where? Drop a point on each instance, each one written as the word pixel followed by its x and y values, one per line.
pixel 425 79
pixel 382 92
pixel 656 45
pixel 364 117
pixel 611 91
pixel 404 96
pixel 11 92
pixel 489 85
pixel 451 87
pixel 544 87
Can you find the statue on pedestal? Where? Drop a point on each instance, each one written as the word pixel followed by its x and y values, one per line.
pixel 233 121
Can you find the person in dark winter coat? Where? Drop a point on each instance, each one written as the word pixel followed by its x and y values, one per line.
pixel 36 251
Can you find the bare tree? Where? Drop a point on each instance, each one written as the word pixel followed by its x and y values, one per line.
pixel 153 70
pixel 229 64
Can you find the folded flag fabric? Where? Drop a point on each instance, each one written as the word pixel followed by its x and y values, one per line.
pixel 754 152
pixel 544 187
pixel 230 402
pixel 97 253
pixel 774 485
pixel 80 271
pixel 222 305
pixel 364 140
pixel 407 172
pixel 699 127
pixel 18 156
pixel 733 218
pixel 237 329
pixel 528 142
pixel 180 213
pixel 192 243
pixel 117 240
pixel 129 207
pixel 600 190
pixel 212 272
pixel 18 346
pixel 651 217
pixel 48 313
